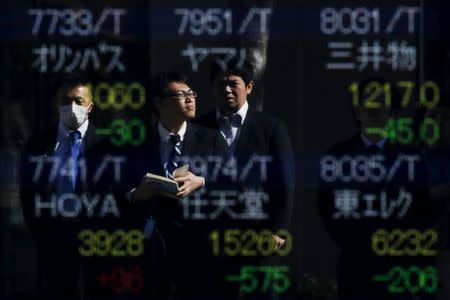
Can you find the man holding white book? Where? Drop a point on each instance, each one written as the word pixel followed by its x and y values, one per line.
pixel 174 103
pixel 165 181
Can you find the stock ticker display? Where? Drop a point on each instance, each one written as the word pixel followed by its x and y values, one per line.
pixel 334 184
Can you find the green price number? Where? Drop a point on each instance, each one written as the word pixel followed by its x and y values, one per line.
pixel 122 132
pixel 401 131
pixel 262 279
pixel 410 280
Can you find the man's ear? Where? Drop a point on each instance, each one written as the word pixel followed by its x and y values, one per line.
pixel 249 87
pixel 91 106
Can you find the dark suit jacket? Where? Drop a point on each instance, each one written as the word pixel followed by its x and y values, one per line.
pixel 173 241
pixel 147 159
pixel 358 261
pixel 57 242
pixel 419 213
pixel 260 135
pixel 42 145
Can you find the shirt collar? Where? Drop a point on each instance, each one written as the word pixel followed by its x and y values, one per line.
pixel 164 134
pixel 64 131
pixel 367 143
pixel 242 112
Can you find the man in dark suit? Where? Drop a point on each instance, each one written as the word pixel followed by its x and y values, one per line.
pixel 438 159
pixel 242 132
pixel 170 242
pixel 55 176
pixel 371 187
pixel 256 159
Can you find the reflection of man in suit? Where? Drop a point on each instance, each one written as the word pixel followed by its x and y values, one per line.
pixel 351 204
pixel 437 156
pixel 242 135
pixel 174 103
pixel 242 132
pixel 171 138
pixel 52 179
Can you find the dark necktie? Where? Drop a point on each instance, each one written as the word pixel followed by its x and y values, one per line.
pixel 75 145
pixel 175 152
pixel 226 124
pixel 69 169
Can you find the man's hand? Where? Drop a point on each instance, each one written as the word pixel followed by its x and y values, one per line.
pixel 279 241
pixel 145 190
pixel 188 184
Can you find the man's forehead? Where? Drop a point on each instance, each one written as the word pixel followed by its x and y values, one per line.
pixel 228 77
pixel 77 90
pixel 175 85
pixel 76 93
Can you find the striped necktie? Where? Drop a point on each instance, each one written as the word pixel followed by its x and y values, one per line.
pixel 175 152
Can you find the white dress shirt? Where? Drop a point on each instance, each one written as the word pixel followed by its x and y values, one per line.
pixel 165 146
pixel 230 137
pixel 62 141
pixel 367 143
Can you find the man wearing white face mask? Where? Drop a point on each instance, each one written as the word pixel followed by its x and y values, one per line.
pixel 76 113
pixel 54 182
pixel 74 105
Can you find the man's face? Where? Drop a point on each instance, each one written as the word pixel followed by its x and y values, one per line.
pixel 230 92
pixel 80 95
pixel 373 117
pixel 179 102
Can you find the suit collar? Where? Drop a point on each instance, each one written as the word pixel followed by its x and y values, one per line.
pixel 50 140
pixel 360 146
pixel 242 112
pixel 242 139
pixel 91 138
pixel 164 134
pixel 190 137
pixel 380 144
pixel 63 130
pixel 189 132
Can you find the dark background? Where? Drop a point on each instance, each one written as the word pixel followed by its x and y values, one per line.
pixel 294 86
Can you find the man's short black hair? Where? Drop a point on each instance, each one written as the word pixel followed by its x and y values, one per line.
pixel 68 82
pixel 159 83
pixel 71 81
pixel 242 69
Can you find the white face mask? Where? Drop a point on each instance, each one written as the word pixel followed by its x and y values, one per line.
pixel 73 116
